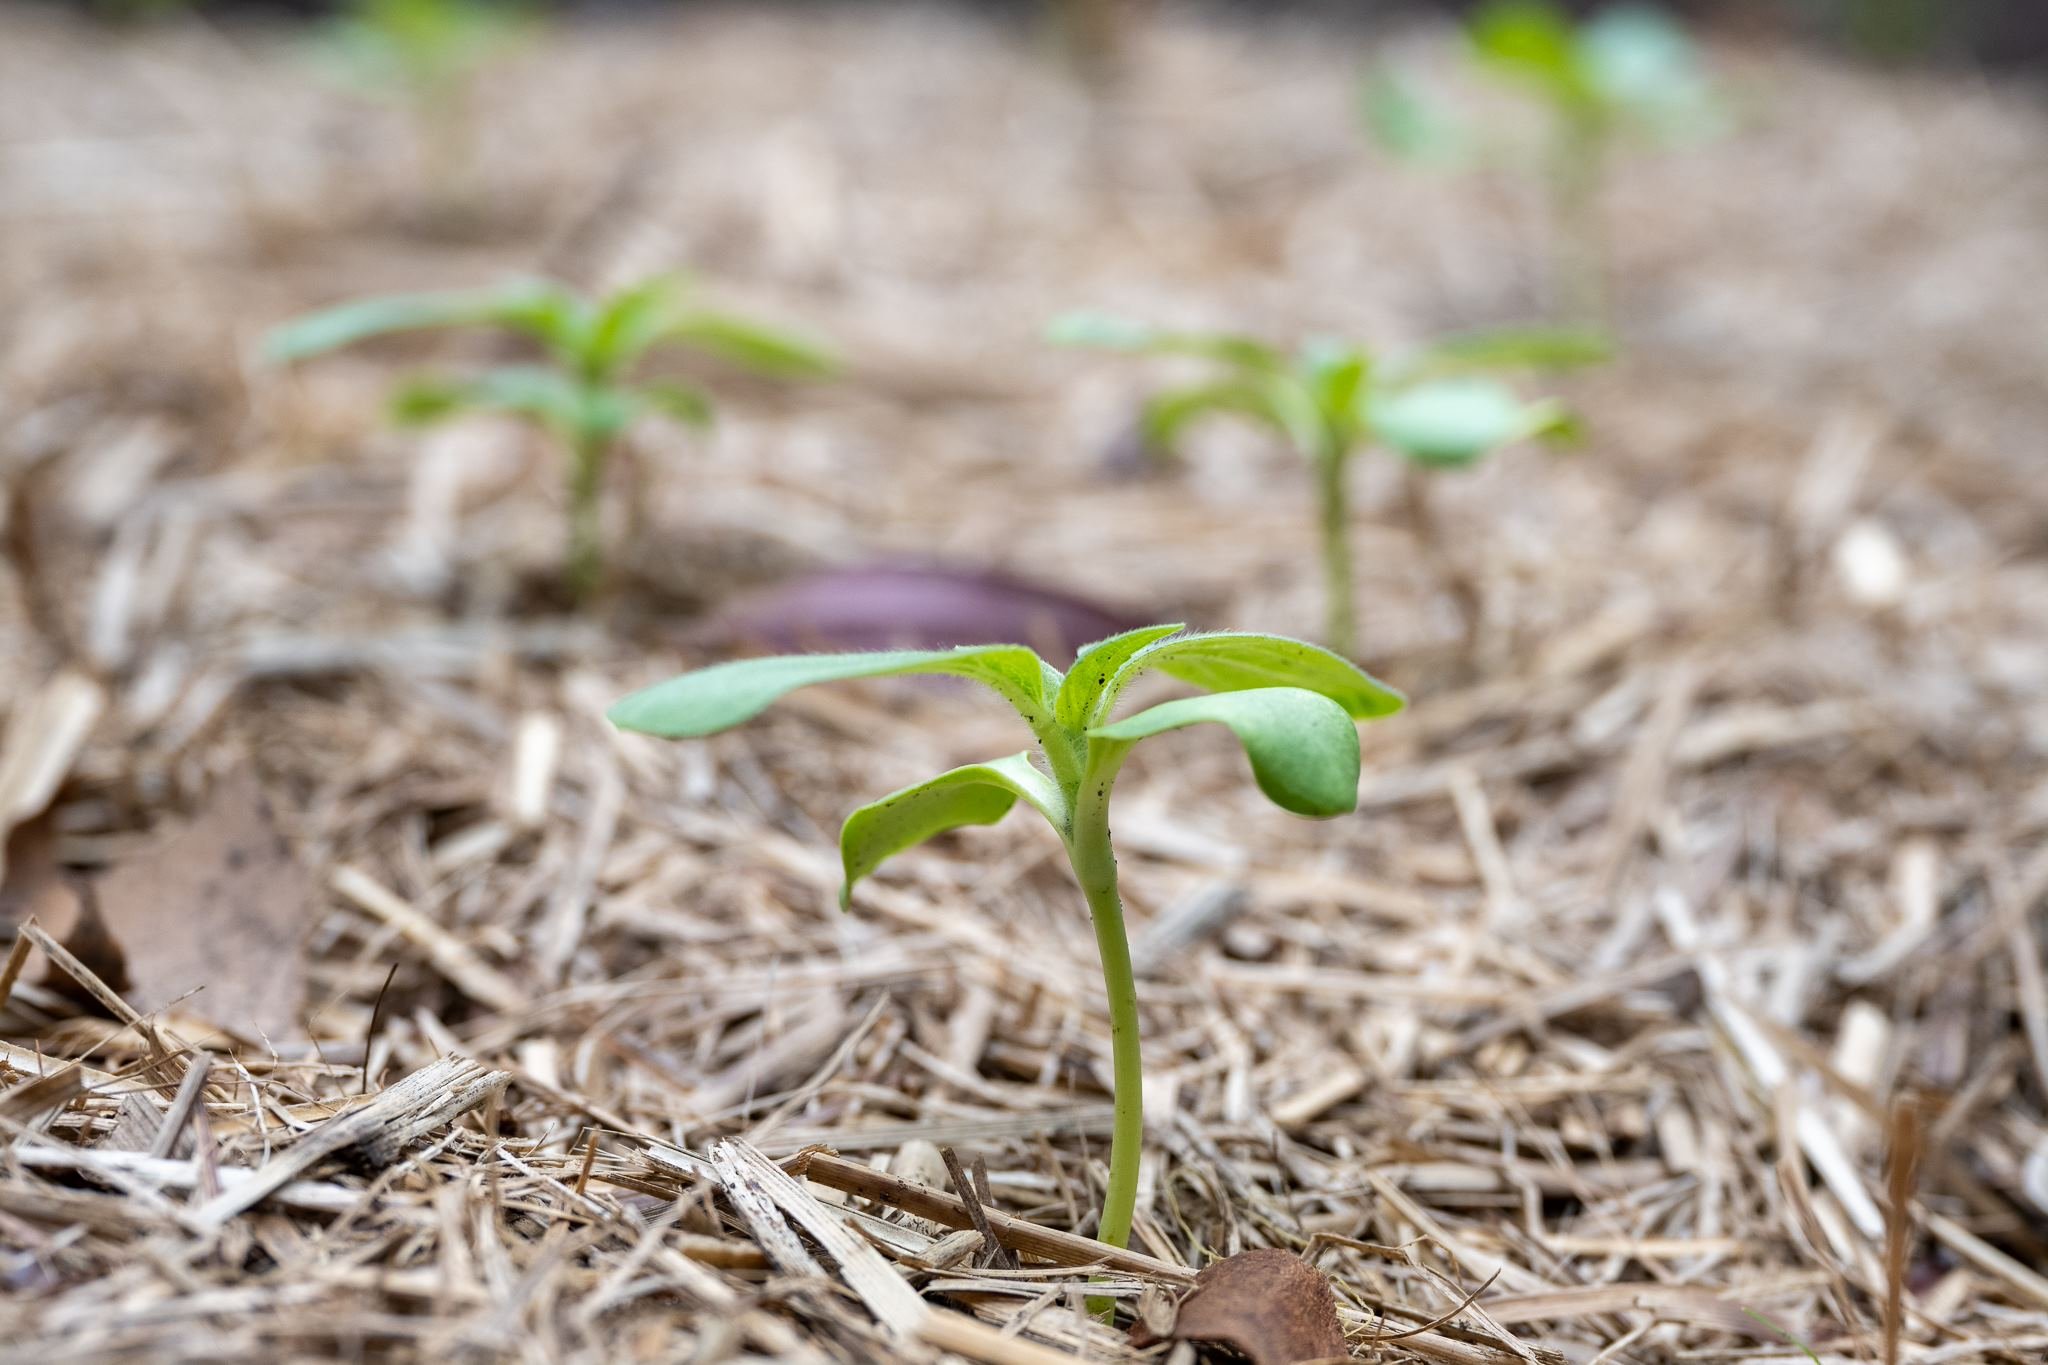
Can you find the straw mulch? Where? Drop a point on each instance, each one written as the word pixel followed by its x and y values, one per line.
pixel 1699 888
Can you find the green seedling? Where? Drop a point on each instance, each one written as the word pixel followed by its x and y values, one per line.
pixel 1628 73
pixel 1291 705
pixel 584 394
pixel 425 54
pixel 1437 409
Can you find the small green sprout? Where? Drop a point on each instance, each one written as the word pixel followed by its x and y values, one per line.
pixel 1330 399
pixel 424 54
pixel 583 394
pixel 1628 72
pixel 1291 705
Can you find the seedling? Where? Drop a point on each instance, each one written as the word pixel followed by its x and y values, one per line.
pixel 1331 399
pixel 1291 705
pixel 424 54
pixel 1627 73
pixel 583 394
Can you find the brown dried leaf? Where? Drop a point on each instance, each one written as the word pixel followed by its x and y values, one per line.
pixel 220 908
pixel 34 882
pixel 1268 1306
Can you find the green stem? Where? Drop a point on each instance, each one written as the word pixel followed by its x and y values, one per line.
pixel 1334 511
pixel 585 567
pixel 1580 246
pixel 1094 864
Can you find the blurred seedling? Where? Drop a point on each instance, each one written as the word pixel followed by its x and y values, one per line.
pixel 1628 74
pixel 426 55
pixel 584 393
pixel 1438 409
pixel 1292 705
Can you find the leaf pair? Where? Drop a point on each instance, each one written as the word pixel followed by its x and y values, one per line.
pixel 1435 407
pixel 1628 69
pixel 1291 705
pixel 595 339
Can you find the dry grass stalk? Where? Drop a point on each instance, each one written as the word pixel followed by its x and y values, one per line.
pixel 1658 900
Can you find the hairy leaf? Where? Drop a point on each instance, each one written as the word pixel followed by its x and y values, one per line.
pixel 978 794
pixel 1095 670
pixel 763 349
pixel 722 696
pixel 1233 661
pixel 1455 421
pixel 1302 745
pixel 537 307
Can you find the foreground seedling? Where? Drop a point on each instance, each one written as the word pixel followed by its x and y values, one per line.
pixel 583 394
pixel 1291 705
pixel 1330 399
pixel 1628 74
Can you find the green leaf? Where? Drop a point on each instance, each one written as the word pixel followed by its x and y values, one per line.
pixel 1510 348
pixel 1303 747
pixel 1167 415
pixel 536 307
pixel 1095 669
pixel 1634 55
pixel 1455 421
pixel 759 348
pixel 1235 661
pixel 684 402
pixel 724 695
pixel 978 794
pixel 1407 125
pixel 1107 332
pixel 577 411
pixel 1529 39
pixel 630 321
pixel 1335 374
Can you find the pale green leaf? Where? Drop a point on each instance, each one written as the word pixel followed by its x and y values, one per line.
pixel 540 309
pixel 578 411
pixel 1636 55
pixel 1233 661
pixel 684 402
pixel 1107 332
pixel 628 322
pixel 766 350
pixel 724 695
pixel 1456 421
pixel 1513 348
pixel 1167 415
pixel 1302 746
pixel 1407 125
pixel 978 794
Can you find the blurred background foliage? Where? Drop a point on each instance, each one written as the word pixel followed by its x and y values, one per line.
pixel 2001 34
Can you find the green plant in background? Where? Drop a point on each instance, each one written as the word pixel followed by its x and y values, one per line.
pixel 1628 72
pixel 1331 399
pixel 584 394
pixel 1291 705
pixel 425 53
